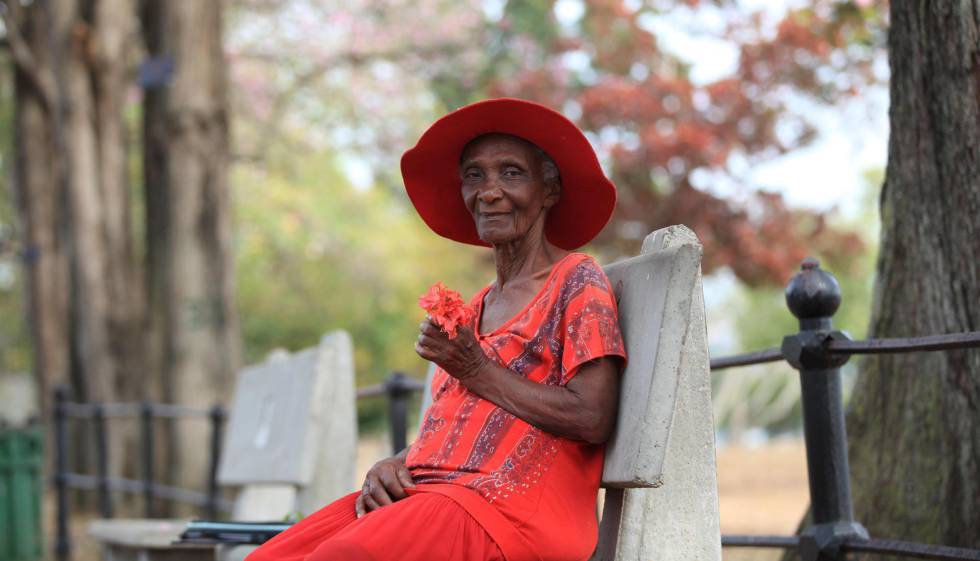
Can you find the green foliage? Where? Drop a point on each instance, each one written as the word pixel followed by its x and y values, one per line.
pixel 15 352
pixel 768 395
pixel 314 254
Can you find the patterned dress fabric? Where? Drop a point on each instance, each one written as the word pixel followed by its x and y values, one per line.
pixel 543 485
pixel 514 491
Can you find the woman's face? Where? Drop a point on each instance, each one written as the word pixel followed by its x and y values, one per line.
pixel 504 188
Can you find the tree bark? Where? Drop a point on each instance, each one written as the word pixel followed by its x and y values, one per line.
pixel 94 371
pixel 72 188
pixel 73 194
pixel 914 422
pixel 42 216
pixel 115 32
pixel 93 38
pixel 914 419
pixel 190 262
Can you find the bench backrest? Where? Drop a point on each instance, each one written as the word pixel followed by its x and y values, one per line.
pixel 662 496
pixel 292 432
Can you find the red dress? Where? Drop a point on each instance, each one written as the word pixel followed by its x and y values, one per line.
pixel 514 491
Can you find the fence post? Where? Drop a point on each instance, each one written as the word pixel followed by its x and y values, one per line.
pixel 102 460
pixel 146 427
pixel 813 296
pixel 217 416
pixel 62 544
pixel 399 389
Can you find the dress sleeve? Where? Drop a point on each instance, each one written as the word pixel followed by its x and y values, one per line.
pixel 590 323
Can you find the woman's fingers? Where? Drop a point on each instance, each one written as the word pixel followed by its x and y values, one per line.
pixel 392 485
pixel 429 328
pixel 359 509
pixel 427 341
pixel 423 352
pixel 377 491
pixel 370 504
pixel 404 476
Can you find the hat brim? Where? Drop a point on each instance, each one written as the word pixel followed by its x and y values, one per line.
pixel 431 170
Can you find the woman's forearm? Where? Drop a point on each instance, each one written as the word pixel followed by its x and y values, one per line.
pixel 584 409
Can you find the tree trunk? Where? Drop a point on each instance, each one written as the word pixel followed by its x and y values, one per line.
pixel 114 39
pixel 190 266
pixel 914 419
pixel 73 197
pixel 73 193
pixel 40 198
pixel 94 371
pixel 914 423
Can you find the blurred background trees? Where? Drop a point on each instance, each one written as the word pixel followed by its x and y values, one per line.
pixel 678 143
pixel 134 131
pixel 120 312
pixel 138 129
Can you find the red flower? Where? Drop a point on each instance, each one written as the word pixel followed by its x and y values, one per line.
pixel 446 308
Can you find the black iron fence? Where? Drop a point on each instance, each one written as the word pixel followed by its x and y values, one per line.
pixel 817 351
pixel 104 484
pixel 398 388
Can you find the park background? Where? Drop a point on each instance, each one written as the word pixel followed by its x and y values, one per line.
pixel 169 227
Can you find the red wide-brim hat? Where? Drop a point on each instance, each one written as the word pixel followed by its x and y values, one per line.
pixel 431 170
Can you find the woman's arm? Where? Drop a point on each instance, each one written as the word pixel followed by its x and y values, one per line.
pixel 583 409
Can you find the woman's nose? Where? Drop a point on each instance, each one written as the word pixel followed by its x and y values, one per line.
pixel 489 193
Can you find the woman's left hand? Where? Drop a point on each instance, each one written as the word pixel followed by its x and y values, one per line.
pixel 462 357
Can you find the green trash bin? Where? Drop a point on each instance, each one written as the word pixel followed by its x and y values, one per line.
pixel 21 458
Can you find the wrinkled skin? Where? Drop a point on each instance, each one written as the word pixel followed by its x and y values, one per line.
pixel 505 186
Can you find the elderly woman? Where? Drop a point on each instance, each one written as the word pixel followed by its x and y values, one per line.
pixel 508 459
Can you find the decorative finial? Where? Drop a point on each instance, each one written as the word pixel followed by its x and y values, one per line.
pixel 813 292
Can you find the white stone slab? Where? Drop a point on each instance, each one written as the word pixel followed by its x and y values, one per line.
pixel 677 519
pixel 137 532
pixel 270 425
pixel 654 293
pixel 293 422
pixel 18 398
pixel 262 502
pixel 334 414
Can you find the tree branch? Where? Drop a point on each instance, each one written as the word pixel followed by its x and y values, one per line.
pixel 303 79
pixel 23 57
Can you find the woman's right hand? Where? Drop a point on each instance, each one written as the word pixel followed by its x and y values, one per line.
pixel 384 484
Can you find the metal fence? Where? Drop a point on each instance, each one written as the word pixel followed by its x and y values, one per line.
pixel 105 484
pixel 817 351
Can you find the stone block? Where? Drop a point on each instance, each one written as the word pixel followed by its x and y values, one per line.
pixel 334 413
pixel 293 423
pixel 676 518
pixel 18 398
pixel 654 292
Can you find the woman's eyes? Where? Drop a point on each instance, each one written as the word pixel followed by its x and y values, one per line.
pixel 475 174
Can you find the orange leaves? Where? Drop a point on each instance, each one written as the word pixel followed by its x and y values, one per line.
pixel 446 308
pixel 663 134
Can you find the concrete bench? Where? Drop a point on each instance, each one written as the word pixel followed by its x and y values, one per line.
pixel 290 447
pixel 661 487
